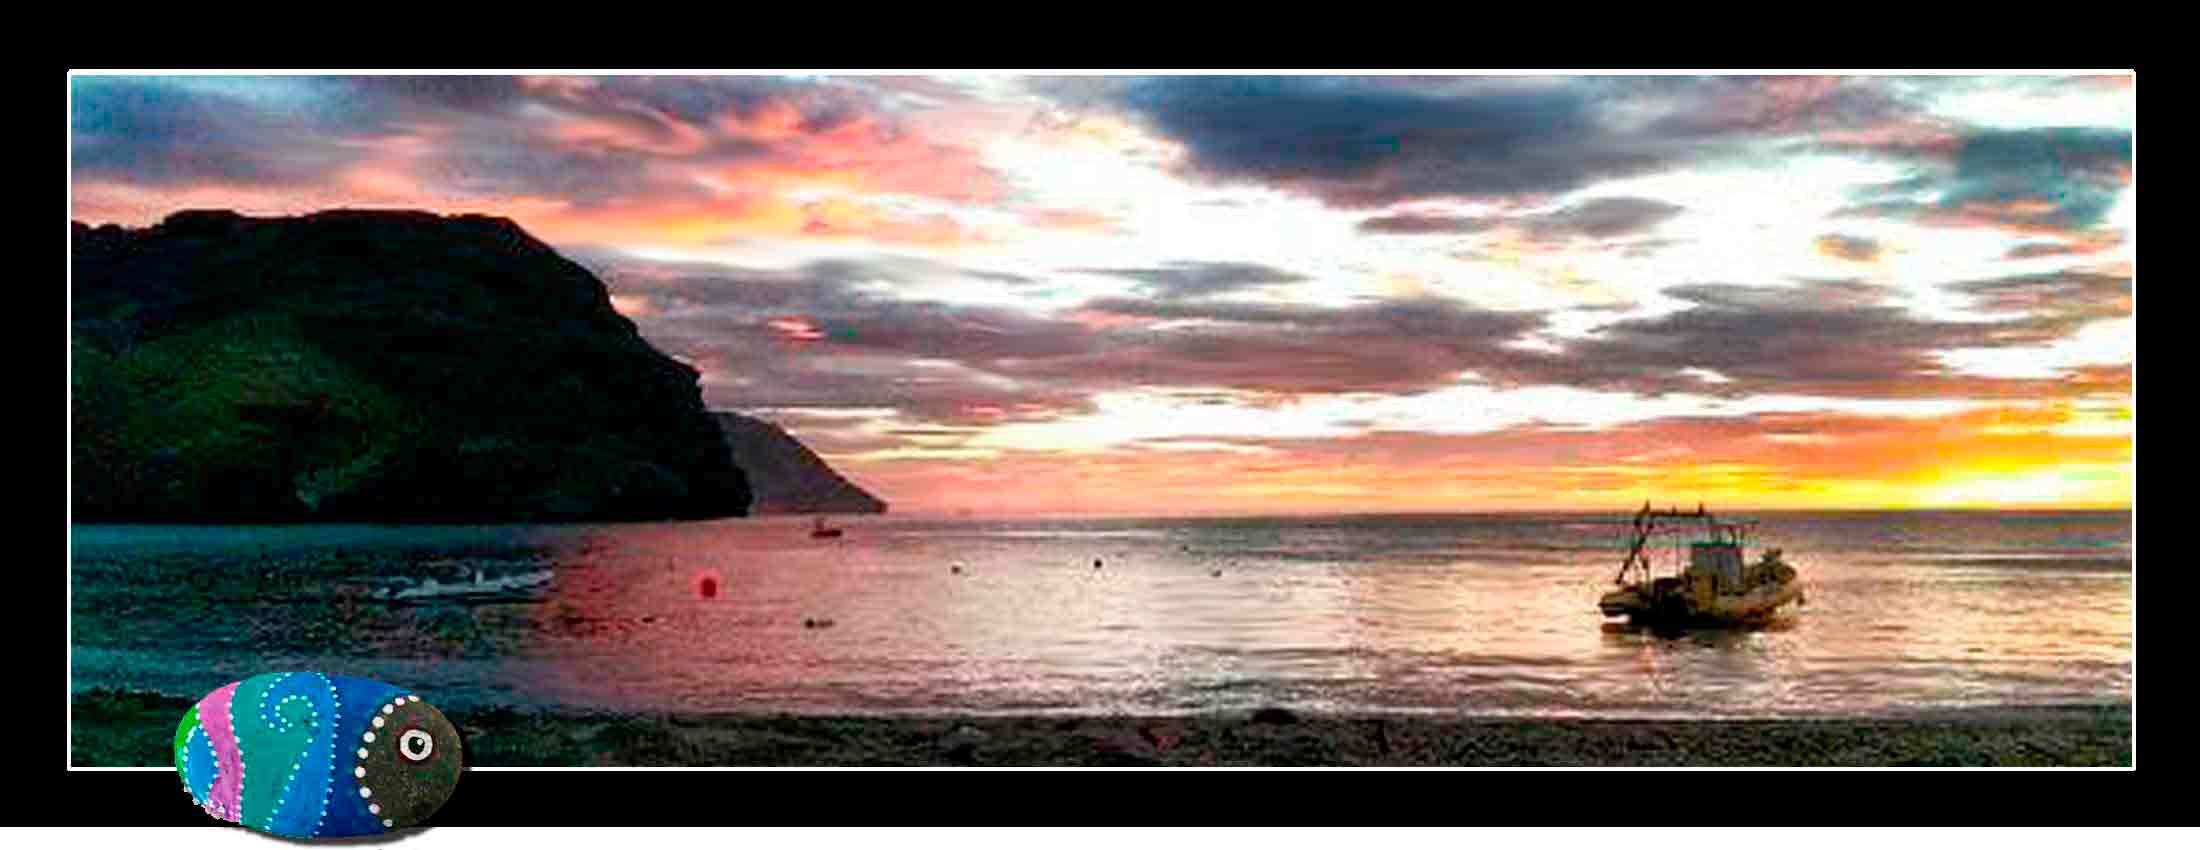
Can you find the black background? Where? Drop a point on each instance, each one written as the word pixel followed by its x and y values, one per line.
pixel 43 791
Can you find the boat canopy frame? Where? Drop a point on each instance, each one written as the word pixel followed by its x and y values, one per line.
pixel 1674 523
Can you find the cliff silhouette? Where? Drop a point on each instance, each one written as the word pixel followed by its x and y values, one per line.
pixel 789 478
pixel 371 366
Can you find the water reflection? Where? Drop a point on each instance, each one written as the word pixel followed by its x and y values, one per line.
pixel 1393 614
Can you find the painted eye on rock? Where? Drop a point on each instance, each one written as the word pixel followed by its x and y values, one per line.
pixel 416 745
pixel 407 772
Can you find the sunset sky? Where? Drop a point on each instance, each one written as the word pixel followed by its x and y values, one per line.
pixel 1221 294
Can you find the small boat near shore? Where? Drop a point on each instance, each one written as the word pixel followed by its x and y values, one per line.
pixel 821 530
pixel 1716 586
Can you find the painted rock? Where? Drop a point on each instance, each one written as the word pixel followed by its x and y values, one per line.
pixel 311 756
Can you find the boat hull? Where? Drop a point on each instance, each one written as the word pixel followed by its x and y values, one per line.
pixel 1760 604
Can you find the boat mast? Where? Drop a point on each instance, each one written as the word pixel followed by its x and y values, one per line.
pixel 1645 525
pixel 1634 547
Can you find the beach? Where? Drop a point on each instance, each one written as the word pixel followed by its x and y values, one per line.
pixel 136 729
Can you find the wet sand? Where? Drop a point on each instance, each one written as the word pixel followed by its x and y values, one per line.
pixel 126 728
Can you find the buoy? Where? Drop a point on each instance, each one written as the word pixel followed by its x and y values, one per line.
pixel 1096 563
pixel 706 585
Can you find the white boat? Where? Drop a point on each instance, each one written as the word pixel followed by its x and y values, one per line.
pixel 478 589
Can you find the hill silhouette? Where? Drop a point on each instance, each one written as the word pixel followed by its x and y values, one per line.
pixel 371 365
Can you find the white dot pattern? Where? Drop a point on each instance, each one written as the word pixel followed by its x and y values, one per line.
pixel 360 772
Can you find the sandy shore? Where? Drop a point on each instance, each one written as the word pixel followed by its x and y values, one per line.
pixel 136 729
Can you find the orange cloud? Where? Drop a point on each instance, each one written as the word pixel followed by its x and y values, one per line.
pixel 1070 219
pixel 2030 217
pixel 775 121
pixel 796 329
pixel 1855 249
pixel 770 171
pixel 1917 135
pixel 862 156
pixel 668 137
pixel 844 217
pixel 1102 320
pixel 633 306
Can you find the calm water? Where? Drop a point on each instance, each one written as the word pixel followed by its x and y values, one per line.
pixel 1479 614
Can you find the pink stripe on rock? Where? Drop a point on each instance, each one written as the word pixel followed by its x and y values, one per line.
pixel 226 797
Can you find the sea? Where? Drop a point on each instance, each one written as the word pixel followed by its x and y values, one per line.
pixel 1491 615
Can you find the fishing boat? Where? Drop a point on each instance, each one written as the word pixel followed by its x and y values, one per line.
pixel 822 530
pixel 1712 585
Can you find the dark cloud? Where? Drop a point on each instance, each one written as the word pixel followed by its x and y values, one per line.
pixel 487 135
pixel 1200 279
pixel 835 334
pixel 1833 338
pixel 1600 218
pixel 158 133
pixel 1786 105
pixel 950 366
pixel 1395 346
pixel 958 365
pixel 1363 143
pixel 2056 178
pixel 2030 250
pixel 928 361
pixel 643 103
pixel 2100 379
pixel 1603 218
pixel 821 106
pixel 494 136
pixel 1415 225
pixel 2021 159
pixel 2069 298
pixel 1372 142
pixel 2076 170
pixel 489 165
pixel 840 283
pixel 461 92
